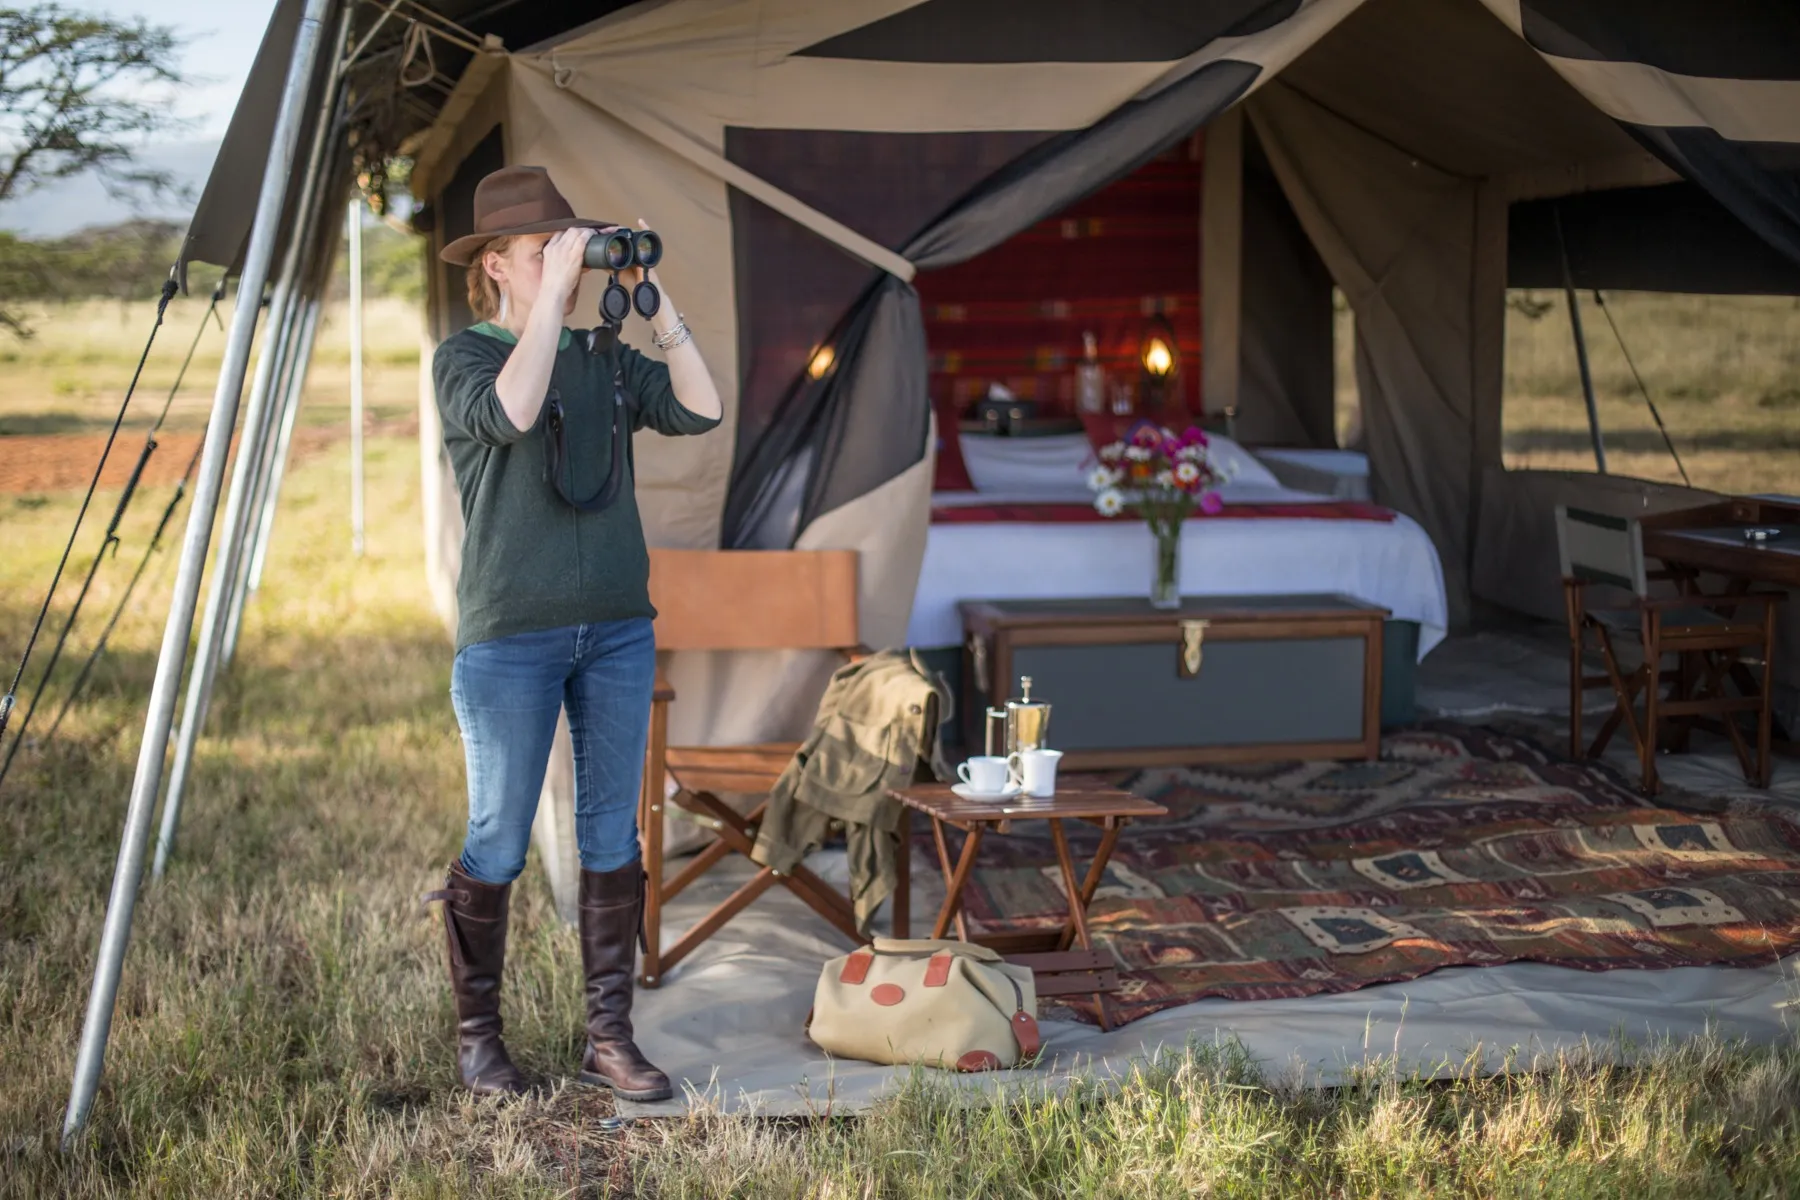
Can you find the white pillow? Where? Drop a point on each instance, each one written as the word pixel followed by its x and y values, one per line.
pixel 1237 463
pixel 1055 462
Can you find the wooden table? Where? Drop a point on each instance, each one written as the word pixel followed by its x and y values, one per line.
pixel 1045 951
pixel 1710 539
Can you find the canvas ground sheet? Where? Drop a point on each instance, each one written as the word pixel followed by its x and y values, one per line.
pixel 1459 847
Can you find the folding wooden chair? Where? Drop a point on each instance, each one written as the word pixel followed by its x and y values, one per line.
pixel 735 600
pixel 1707 635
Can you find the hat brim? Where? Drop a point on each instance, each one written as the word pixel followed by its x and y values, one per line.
pixel 462 251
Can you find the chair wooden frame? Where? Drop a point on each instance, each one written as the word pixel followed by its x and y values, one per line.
pixel 734 600
pixel 1708 650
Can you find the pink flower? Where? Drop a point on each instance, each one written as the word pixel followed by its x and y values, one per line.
pixel 1193 436
pixel 1170 448
pixel 1210 503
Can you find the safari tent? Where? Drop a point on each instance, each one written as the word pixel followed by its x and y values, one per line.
pixel 815 168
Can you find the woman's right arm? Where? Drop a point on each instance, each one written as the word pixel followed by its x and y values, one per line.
pixel 525 380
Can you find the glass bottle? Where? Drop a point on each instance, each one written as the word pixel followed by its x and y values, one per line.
pixel 1090 377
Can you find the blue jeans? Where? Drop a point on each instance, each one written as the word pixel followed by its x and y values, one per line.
pixel 507 694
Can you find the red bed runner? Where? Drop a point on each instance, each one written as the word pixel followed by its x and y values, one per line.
pixel 1072 514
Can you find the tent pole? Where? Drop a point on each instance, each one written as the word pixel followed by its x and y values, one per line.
pixel 231 538
pixel 260 469
pixel 257 429
pixel 121 903
pixel 281 421
pixel 1581 358
pixel 356 378
pixel 309 330
pixel 268 477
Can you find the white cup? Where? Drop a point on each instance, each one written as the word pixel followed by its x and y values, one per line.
pixel 1034 770
pixel 984 773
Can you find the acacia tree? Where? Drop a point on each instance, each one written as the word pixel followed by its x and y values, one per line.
pixel 73 101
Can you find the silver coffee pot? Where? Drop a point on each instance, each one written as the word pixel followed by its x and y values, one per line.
pixel 1027 721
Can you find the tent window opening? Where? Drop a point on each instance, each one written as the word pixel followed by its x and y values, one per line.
pixel 1721 371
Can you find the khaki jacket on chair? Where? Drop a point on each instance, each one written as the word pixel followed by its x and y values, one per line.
pixel 876 728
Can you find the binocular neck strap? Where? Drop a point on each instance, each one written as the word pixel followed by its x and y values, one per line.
pixel 556 450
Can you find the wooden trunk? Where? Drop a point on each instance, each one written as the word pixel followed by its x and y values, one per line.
pixel 1222 679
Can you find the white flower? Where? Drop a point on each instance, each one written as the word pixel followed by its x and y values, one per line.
pixel 1138 453
pixel 1113 452
pixel 1101 478
pixel 1110 503
pixel 1165 479
pixel 1186 472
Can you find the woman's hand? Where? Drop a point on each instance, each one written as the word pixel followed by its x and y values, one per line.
pixel 563 265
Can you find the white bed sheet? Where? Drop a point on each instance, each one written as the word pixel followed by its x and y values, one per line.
pixel 1392 564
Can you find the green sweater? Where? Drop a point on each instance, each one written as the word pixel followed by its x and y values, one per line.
pixel 531 561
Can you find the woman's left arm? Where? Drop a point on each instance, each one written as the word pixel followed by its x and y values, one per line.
pixel 693 383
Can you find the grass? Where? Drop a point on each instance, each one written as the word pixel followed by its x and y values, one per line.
pixel 284 1028
pixel 69 377
pixel 1724 372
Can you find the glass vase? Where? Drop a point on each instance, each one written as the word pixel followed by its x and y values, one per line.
pixel 1165 575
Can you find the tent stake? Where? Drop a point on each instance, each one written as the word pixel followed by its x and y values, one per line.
pixel 1581 358
pixel 127 872
pixel 356 379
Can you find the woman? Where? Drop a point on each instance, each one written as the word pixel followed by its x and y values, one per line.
pixel 553 603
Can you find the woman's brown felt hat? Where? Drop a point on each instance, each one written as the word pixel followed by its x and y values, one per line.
pixel 515 200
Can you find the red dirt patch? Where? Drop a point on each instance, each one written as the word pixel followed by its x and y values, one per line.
pixel 57 462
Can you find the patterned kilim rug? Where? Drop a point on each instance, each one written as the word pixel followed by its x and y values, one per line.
pixel 1460 847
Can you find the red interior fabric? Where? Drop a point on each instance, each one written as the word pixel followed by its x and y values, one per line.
pixel 1083 514
pixel 1107 264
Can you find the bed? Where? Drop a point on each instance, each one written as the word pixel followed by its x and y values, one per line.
pixel 1026 531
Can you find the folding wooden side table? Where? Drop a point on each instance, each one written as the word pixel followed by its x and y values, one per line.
pixel 1060 969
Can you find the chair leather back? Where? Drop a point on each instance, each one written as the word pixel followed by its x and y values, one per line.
pixel 754 599
pixel 1601 548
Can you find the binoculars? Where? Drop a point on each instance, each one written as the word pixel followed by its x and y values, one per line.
pixel 617 251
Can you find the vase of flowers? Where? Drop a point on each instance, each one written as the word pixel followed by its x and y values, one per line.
pixel 1161 476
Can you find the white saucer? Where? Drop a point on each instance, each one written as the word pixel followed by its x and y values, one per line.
pixel 968 793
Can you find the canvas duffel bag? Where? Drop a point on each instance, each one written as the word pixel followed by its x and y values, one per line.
pixel 944 1003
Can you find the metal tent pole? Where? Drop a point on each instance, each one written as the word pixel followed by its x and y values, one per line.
pixel 296 361
pixel 308 335
pixel 238 513
pixel 1581 358
pixel 356 378
pixel 122 902
pixel 231 538
pixel 282 414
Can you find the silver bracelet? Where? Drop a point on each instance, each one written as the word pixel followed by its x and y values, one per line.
pixel 675 336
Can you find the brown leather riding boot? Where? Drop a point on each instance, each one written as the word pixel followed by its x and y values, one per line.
pixel 475 916
pixel 612 905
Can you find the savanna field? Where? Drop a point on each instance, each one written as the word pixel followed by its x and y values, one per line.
pixel 284 1026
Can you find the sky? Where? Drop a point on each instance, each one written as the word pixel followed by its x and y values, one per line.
pixel 219 40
